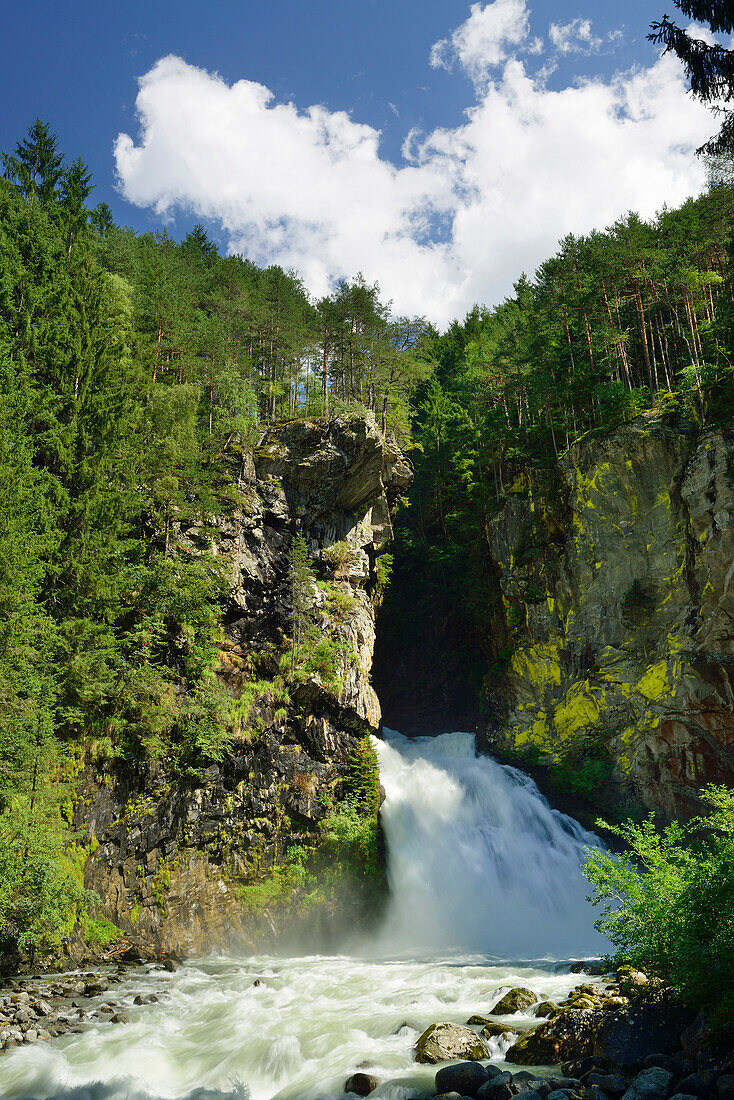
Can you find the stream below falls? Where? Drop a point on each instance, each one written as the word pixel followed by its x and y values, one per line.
pixel 486 893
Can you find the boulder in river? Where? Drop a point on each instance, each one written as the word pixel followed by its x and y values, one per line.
pixel 499 1087
pixel 361 1084
pixel 517 1000
pixel 631 981
pixel 647 1025
pixel 570 1034
pixel 545 1009
pixel 651 1084
pixel 492 1030
pixel 444 1041
pixel 466 1078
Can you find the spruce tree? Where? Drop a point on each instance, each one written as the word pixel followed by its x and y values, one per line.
pixel 709 67
pixel 36 167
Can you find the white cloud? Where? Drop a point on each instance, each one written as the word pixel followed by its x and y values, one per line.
pixel 467 210
pixel 574 37
pixel 482 42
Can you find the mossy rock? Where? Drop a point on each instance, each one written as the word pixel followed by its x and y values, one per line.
pixel 568 1035
pixel 492 1030
pixel 443 1042
pixel 545 1009
pixel 517 1000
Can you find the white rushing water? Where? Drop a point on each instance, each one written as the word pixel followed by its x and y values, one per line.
pixel 477 858
pixel 486 894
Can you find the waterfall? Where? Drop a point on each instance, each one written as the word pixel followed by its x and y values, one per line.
pixel 478 861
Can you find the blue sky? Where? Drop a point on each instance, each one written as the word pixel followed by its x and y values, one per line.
pixel 77 64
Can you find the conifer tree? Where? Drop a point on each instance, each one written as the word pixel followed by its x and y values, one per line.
pixel 301 584
pixel 709 66
pixel 37 165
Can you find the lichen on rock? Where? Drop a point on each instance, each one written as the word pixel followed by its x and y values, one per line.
pixel 616 582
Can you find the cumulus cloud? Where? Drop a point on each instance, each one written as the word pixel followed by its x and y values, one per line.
pixel 466 211
pixel 482 42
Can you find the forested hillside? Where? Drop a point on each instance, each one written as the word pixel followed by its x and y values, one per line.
pixel 614 324
pixel 135 373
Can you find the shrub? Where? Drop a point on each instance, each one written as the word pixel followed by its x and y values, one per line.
pixel 667 902
pixel 383 576
pixel 339 554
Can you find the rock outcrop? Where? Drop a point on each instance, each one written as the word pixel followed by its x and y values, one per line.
pixel 171 853
pixel 617 581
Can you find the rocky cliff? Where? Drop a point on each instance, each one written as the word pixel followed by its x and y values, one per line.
pixel 188 862
pixel 616 650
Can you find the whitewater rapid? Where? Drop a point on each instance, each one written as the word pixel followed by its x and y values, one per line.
pixel 486 893
pixel 477 858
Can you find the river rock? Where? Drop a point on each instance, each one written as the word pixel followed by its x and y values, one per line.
pixel 651 1084
pixel 693 1086
pixel 725 1087
pixel 492 1030
pixel 531 1082
pixel 631 981
pixel 465 1078
pixel 646 1026
pixel 445 1041
pixel 361 1084
pixel 544 1009
pixel 517 1000
pixel 564 1084
pixel 608 1083
pixel 568 1036
pixel 499 1087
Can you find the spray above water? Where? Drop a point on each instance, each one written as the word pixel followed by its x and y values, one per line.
pixel 477 859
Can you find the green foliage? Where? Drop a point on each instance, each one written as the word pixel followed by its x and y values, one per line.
pixel 351 829
pixel 301 583
pixel 583 768
pixel 383 575
pixel 339 554
pixel 282 882
pixel 666 902
pixel 98 932
pixel 346 856
pixel 639 602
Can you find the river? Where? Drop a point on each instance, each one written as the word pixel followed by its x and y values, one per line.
pixel 486 892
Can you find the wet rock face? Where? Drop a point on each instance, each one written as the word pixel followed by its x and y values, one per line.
pixel 172 852
pixel 619 604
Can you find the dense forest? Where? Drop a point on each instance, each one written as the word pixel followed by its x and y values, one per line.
pixel 134 372
pixel 615 323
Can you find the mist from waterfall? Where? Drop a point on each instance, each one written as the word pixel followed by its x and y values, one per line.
pixel 478 861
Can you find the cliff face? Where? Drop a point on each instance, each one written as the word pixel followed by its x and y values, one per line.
pixel 172 853
pixel 617 667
